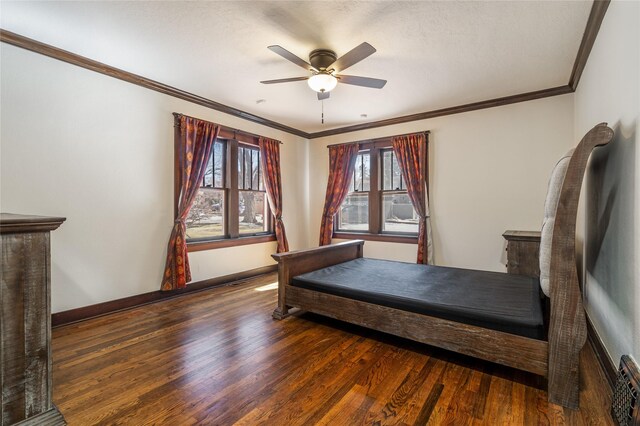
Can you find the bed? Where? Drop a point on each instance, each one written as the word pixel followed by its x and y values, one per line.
pixel 493 316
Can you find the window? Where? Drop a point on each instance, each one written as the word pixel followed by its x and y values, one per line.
pixel 206 217
pixel 378 206
pixel 354 212
pixel 252 210
pixel 398 214
pixel 231 206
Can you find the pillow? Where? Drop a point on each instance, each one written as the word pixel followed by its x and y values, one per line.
pixel 550 207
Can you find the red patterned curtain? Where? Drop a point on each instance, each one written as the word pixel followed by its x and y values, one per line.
pixel 194 149
pixel 410 151
pixel 270 163
pixel 342 160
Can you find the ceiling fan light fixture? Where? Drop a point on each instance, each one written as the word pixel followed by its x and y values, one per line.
pixel 322 82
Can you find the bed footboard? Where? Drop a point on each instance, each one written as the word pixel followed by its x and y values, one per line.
pixel 299 262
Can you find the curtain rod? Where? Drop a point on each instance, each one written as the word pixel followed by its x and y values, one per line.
pixel 227 128
pixel 426 132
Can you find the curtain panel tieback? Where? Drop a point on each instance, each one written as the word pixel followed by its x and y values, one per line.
pixel 342 161
pixel 410 150
pixel 270 162
pixel 194 146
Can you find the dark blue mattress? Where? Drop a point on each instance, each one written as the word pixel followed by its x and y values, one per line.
pixel 503 302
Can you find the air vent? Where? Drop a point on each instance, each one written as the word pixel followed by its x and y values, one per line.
pixel 625 407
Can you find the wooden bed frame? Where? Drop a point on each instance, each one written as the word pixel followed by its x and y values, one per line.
pixel 556 358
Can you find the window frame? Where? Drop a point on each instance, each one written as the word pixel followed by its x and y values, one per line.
pixel 376 148
pixel 231 237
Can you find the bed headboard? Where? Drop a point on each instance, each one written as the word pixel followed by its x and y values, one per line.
pixel 567 328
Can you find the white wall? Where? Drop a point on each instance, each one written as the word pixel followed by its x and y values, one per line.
pixel 488 173
pixel 99 151
pixel 609 91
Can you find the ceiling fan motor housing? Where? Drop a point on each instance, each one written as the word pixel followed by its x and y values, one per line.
pixel 321 59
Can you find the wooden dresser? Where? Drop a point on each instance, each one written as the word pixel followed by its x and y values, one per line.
pixel 523 248
pixel 25 321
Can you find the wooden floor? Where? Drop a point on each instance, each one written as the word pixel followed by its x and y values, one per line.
pixel 217 358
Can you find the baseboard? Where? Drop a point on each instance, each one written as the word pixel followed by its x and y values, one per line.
pixel 605 361
pixel 80 314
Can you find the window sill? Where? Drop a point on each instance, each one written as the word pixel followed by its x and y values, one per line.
pixel 387 238
pixel 229 242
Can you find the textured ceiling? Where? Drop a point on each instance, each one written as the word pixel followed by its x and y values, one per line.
pixel 433 54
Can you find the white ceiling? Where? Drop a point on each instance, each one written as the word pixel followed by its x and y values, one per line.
pixel 433 54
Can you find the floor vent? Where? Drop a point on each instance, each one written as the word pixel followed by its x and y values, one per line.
pixel 625 407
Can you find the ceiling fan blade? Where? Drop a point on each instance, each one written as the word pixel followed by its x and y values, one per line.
pixel 373 83
pixel 323 95
pixel 284 80
pixel 291 57
pixel 353 57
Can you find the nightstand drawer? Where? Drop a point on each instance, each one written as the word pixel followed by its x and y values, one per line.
pixel 523 249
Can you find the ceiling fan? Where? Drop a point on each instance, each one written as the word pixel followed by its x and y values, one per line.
pixel 325 67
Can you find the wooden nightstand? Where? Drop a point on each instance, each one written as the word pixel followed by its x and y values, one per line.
pixel 523 248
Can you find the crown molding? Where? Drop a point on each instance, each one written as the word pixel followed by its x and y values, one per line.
pixel 598 10
pixel 99 67
pixel 522 97
pixel 596 16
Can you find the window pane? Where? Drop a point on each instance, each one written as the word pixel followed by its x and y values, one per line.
pixel 361 173
pixel 255 159
pixel 208 174
pixel 354 213
pixel 358 174
pixel 366 172
pixel 386 170
pixel 261 177
pixel 247 168
pixel 240 168
pixel 218 165
pixel 205 216
pixel 396 185
pixel 399 214
pixel 252 212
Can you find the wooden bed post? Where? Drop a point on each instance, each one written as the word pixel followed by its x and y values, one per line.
pixel 567 328
pixel 282 310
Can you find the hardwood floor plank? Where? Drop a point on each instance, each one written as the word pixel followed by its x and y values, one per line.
pixel 378 392
pixel 277 397
pixel 398 403
pixel 358 401
pixel 416 405
pixel 151 363
pixel 217 358
pixel 339 394
pixel 222 375
pixel 480 402
pixel 450 377
pixel 429 405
